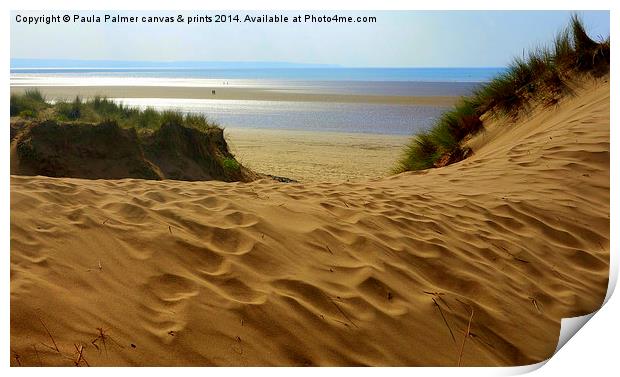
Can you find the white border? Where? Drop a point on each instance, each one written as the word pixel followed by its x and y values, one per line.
pixel 594 350
pixel 318 4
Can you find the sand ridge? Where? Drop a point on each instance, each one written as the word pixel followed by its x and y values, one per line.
pixel 380 272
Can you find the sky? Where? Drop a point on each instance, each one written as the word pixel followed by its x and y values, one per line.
pixel 397 39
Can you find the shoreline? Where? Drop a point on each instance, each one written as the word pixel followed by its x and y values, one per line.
pixel 69 92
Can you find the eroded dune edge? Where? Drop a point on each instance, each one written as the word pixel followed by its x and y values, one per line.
pixel 384 272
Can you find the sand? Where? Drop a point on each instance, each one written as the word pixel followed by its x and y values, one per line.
pixel 316 156
pixel 239 93
pixel 378 272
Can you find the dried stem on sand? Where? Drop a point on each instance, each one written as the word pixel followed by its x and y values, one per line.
pixel 102 337
pixel 471 316
pixel 444 320
pixel 80 356
pixel 51 337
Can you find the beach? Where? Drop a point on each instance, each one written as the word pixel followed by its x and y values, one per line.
pixel 316 156
pixel 472 264
pixel 299 131
pixel 226 93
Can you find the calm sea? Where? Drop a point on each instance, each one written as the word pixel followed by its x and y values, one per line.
pixel 315 116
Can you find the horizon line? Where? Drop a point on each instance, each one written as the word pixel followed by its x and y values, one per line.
pixel 195 64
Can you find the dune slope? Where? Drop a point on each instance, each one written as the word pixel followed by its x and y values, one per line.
pixel 108 151
pixel 384 272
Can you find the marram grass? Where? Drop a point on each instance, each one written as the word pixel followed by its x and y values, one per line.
pixel 33 105
pixel 540 76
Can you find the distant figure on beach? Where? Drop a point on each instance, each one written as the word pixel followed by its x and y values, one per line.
pixel 213 91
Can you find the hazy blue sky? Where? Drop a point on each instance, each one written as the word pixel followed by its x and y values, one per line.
pixel 397 39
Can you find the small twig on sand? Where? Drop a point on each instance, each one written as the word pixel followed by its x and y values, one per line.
pixel 434 293
pixel 438 296
pixel 343 313
pixel 444 320
pixel 341 322
pixel 466 335
pixel 17 360
pixel 535 303
pixel 170 229
pixel 519 259
pixel 80 356
pixel 102 337
pixel 328 249
pixel 99 266
pixel 50 335
pixel 446 303
pixel 512 255
pixel 36 352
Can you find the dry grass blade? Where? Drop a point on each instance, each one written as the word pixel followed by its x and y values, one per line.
pixel 471 316
pixel 102 338
pixel 50 335
pixel 444 320
pixel 439 295
pixel 535 303
pixel 343 313
pixel 80 356
pixel 445 303
pixel 17 358
pixel 36 352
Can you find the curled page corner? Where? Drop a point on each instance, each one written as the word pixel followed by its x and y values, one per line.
pixel 569 327
pixel 524 369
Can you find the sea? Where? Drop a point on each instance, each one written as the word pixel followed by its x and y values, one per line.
pixel 389 119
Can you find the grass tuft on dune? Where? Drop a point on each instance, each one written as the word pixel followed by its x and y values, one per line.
pixel 539 77
pixel 152 144
pixel 32 104
pixel 28 104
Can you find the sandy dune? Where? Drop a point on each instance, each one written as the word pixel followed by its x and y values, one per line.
pixel 382 272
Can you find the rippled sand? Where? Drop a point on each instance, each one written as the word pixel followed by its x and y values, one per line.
pixel 389 271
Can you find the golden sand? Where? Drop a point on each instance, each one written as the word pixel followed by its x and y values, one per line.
pixel 389 271
pixel 316 156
